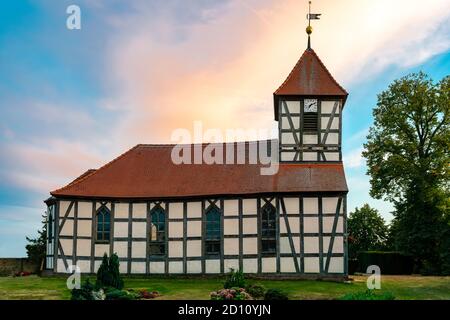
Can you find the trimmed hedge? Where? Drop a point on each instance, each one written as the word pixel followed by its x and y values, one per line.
pixel 389 262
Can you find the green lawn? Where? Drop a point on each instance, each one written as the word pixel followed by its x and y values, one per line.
pixel 403 287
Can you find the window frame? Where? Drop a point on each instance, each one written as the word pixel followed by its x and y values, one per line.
pixel 268 235
pixel 103 210
pixel 157 210
pixel 50 227
pixel 210 240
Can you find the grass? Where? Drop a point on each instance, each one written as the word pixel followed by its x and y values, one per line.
pixel 402 287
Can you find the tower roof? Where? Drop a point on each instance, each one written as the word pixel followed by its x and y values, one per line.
pixel 309 77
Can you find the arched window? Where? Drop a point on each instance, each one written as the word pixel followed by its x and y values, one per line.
pixel 50 227
pixel 213 234
pixel 268 229
pixel 158 231
pixel 103 224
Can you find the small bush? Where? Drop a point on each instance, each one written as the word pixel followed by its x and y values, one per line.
pixel 108 274
pixel 234 279
pixel 116 294
pixel 84 293
pixel 230 294
pixel 275 294
pixel 256 290
pixel 368 295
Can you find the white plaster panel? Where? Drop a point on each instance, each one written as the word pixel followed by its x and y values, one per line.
pixel 157 267
pixel 176 210
pixel 334 123
pixel 336 265
pixel 250 265
pixel 231 226
pixel 250 225
pixel 311 205
pixel 294 224
pixel 194 228
pixel 60 266
pixel 311 225
pixel 139 229
pixel 121 248
pixel 194 267
pixel 138 249
pixel 311 244
pixel 100 250
pixel 338 244
pixel 230 264
pixel 139 210
pixel 288 137
pixel 331 156
pixel 231 207
pixel 67 246
pixel 194 248
pixel 249 206
pixel 63 206
pixel 328 225
pixel 84 247
pixel 121 229
pixel 176 267
pixel 121 210
pixel 293 106
pixel 84 228
pixel 329 205
pixel 310 138
pixel 231 246
pixel 250 245
pixel 84 265
pixel 312 265
pixel 332 138
pixel 176 229
pixel 84 209
pixel 212 266
pixel 175 249
pixel 67 229
pixel 309 156
pixel 137 267
pixel 269 264
pixel 327 106
pixel 292 205
pixel 194 209
pixel 285 246
pixel 287 265
pixel 287 156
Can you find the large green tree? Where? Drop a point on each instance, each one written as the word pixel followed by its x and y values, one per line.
pixel 407 154
pixel 36 247
pixel 367 230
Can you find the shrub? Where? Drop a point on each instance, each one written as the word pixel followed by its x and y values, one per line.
pixel 234 279
pixel 368 295
pixel 256 290
pixel 389 262
pixel 84 293
pixel 108 274
pixel 275 294
pixel 230 294
pixel 116 294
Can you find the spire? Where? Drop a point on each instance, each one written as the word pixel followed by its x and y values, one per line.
pixel 311 16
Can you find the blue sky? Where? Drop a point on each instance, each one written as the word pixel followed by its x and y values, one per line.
pixel 74 99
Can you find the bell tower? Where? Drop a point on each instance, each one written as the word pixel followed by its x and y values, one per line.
pixel 308 107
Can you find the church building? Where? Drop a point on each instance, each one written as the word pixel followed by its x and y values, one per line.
pixel 185 219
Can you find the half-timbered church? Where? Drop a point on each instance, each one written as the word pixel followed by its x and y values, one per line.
pixel 166 218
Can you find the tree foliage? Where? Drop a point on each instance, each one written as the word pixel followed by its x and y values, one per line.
pixel 367 230
pixel 408 162
pixel 36 248
pixel 108 274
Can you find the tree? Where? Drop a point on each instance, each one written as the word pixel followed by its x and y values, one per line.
pixel 36 249
pixel 367 230
pixel 108 274
pixel 407 159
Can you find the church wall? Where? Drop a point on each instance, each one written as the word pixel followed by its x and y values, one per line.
pixel 309 236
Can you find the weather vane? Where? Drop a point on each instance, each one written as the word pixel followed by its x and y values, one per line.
pixel 311 16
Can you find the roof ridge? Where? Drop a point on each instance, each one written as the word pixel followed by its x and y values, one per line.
pixel 75 182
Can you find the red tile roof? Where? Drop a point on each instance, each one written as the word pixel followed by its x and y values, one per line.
pixel 309 77
pixel 147 171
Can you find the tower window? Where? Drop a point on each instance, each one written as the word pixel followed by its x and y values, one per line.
pixel 213 234
pixel 158 232
pixel 310 122
pixel 103 224
pixel 50 228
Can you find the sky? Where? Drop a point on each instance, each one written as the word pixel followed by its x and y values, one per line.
pixel 71 100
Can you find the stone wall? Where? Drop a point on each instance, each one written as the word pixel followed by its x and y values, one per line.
pixel 10 266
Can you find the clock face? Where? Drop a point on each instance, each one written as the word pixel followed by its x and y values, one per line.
pixel 310 105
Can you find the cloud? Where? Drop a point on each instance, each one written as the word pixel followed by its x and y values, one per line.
pixel 354 159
